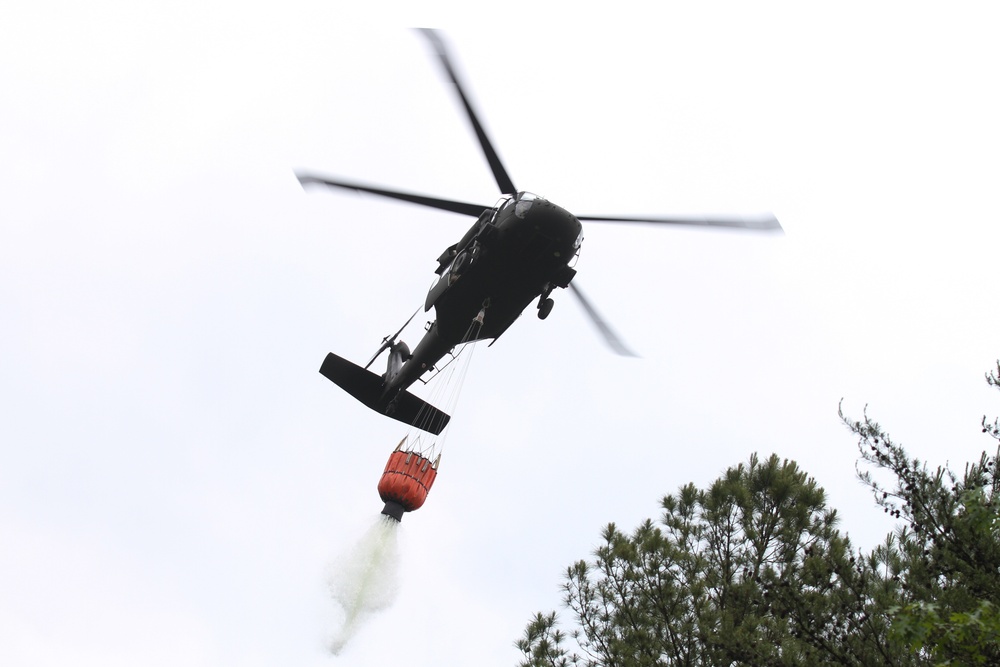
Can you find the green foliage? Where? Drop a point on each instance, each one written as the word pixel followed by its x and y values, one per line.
pixel 542 643
pixel 949 548
pixel 955 638
pixel 750 571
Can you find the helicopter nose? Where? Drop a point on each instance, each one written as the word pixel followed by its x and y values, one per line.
pixel 552 231
pixel 552 221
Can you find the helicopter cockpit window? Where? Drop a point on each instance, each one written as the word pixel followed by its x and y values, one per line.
pixel 524 202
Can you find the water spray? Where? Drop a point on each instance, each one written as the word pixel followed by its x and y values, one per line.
pixel 365 580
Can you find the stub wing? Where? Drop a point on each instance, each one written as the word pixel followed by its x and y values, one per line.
pixel 367 387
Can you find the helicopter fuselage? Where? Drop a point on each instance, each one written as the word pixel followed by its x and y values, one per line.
pixel 515 253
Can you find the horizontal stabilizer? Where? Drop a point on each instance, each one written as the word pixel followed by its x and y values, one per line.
pixel 367 388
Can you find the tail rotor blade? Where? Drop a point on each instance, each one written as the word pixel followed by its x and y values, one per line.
pixel 385 346
pixel 388 341
pixel 610 337
pixel 499 173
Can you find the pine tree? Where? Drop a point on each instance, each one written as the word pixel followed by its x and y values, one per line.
pixel 750 571
pixel 949 545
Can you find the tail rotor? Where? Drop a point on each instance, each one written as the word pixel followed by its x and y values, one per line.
pixel 389 341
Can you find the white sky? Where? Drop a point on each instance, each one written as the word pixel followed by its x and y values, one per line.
pixel 176 476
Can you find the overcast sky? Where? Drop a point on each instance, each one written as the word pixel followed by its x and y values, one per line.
pixel 176 476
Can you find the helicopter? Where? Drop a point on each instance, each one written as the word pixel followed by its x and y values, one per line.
pixel 517 252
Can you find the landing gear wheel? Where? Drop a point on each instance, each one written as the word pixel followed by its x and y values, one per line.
pixel 545 307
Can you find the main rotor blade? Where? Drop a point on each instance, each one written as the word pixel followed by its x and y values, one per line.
pixel 763 223
pixel 610 337
pixel 503 180
pixel 444 204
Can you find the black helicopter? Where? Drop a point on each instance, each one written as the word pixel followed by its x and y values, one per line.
pixel 516 252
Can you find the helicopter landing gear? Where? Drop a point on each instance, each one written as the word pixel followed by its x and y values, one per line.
pixel 545 307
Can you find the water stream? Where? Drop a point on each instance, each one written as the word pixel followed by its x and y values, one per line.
pixel 365 579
